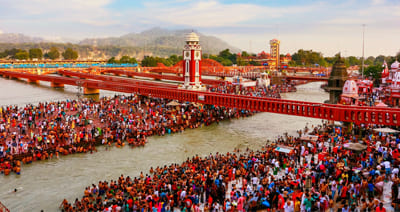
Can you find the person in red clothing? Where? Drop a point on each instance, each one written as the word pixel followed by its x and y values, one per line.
pixel 130 203
pixel 380 208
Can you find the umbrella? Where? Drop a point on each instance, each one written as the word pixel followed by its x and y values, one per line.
pixel 386 130
pixel 381 104
pixel 355 146
pixel 173 103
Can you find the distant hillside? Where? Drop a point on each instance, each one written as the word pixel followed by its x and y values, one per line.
pixel 162 38
pixel 18 38
pixel 153 42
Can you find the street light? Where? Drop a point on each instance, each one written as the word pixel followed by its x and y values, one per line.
pixel 362 65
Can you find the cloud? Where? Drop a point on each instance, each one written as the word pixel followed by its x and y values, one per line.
pixel 1 32
pixel 214 14
pixel 60 11
pixel 328 25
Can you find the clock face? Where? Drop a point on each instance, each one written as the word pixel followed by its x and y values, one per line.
pixel 197 54
pixel 186 55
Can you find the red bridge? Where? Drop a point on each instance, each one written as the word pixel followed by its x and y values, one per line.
pixel 307 78
pixel 356 114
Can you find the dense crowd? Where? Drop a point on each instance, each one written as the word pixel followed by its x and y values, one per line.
pixel 319 172
pixel 47 130
pixel 273 91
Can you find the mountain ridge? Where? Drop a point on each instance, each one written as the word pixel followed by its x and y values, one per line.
pixel 153 42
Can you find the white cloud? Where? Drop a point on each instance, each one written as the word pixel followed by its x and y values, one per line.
pixel 87 11
pixel 377 2
pixel 213 13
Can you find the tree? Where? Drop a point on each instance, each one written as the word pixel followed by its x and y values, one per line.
pixel 149 61
pixel 353 61
pixel 227 55
pixel 70 54
pixel 245 54
pixel 173 59
pixel 35 53
pixel 374 71
pixel 127 59
pixel 307 58
pixel 369 61
pixel 3 54
pixel 21 55
pixel 53 53
pixel 12 52
pixel 112 60
pixel 379 59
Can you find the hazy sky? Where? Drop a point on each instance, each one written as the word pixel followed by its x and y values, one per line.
pixel 328 26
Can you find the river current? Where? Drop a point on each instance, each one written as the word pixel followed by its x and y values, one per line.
pixel 43 185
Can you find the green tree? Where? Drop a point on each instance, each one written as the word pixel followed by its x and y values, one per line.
pixel 124 59
pixel 227 55
pixel 3 54
pixel 35 53
pixel 12 52
pixel 245 54
pixel 112 60
pixel 149 61
pixel 379 59
pixel 70 54
pixel 374 71
pixel 173 59
pixel 353 61
pixel 21 55
pixel 369 61
pixel 53 54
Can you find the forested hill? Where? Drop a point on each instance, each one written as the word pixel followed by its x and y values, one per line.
pixel 154 42
pixel 163 39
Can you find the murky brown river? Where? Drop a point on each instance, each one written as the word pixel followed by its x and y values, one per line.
pixel 43 185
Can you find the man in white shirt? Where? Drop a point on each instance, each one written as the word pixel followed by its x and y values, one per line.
pixel 289 207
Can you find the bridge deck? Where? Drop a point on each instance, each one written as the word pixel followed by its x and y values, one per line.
pixel 356 114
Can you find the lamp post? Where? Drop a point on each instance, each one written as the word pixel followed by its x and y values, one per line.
pixel 362 65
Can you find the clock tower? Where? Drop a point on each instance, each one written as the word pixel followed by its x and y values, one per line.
pixel 192 62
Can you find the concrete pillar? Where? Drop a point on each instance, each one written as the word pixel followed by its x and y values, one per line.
pixel 56 85
pixel 89 91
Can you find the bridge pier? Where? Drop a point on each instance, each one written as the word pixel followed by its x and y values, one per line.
pixel 56 85
pixel 90 91
pixel 13 78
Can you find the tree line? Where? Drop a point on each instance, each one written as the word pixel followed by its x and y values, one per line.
pixel 37 53
pixel 309 58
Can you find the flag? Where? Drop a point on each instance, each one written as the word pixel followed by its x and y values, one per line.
pixel 385 69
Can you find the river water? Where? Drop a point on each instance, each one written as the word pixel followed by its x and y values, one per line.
pixel 44 184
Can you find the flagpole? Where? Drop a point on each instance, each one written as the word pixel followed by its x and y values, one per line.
pixel 362 65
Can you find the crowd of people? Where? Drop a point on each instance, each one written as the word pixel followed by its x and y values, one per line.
pixel 48 130
pixel 315 171
pixel 273 91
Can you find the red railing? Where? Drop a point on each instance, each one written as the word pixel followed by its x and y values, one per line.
pixel 3 208
pixel 346 113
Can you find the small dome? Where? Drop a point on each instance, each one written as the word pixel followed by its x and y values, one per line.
pixel 287 55
pixel 350 87
pixel 192 37
pixel 395 65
